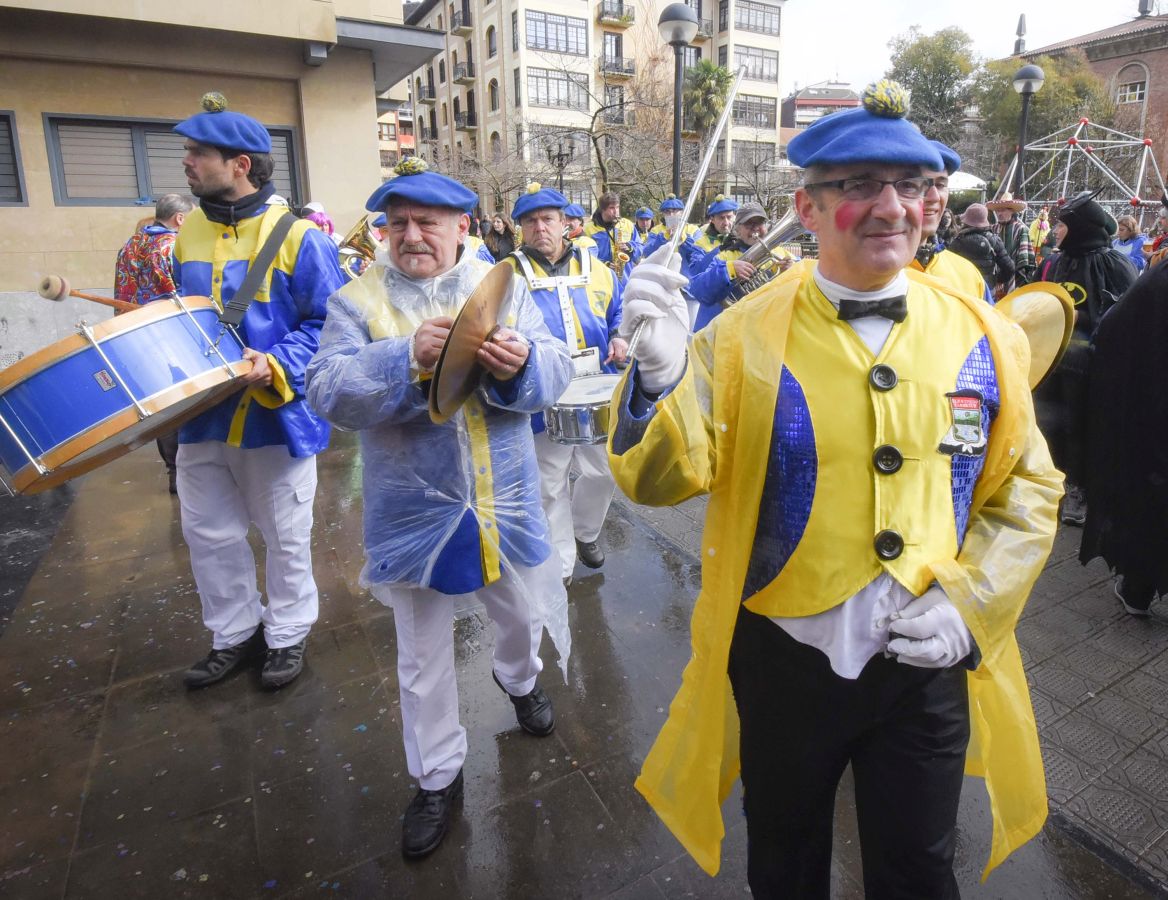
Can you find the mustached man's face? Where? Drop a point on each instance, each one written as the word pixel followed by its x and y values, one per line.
pixel 424 240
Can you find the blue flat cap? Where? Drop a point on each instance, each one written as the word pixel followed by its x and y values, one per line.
pixel 220 127
pixel 670 203
pixel 414 183
pixel 720 205
pixel 643 213
pixel 379 221
pixel 575 211
pixel 876 132
pixel 948 156
pixel 537 197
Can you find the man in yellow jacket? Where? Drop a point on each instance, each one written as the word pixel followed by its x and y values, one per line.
pixel 881 504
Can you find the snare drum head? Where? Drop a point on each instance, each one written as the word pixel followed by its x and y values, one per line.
pixel 589 390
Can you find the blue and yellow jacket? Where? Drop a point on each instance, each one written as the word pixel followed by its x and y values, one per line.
pixel 957 272
pixel 596 303
pixel 603 236
pixel 447 506
pixel 687 249
pixel 709 239
pixel 284 322
pixel 711 285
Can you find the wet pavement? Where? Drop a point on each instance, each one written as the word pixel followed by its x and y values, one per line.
pixel 119 783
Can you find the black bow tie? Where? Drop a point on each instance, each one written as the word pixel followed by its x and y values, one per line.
pixel 893 308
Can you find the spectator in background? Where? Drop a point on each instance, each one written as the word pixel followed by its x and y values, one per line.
pixel 500 240
pixel 322 221
pixel 1040 228
pixel 1129 240
pixel 145 272
pixel 947 229
pixel 1016 238
pixel 977 242
pixel 1156 249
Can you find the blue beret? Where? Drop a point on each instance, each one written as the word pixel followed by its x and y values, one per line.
pixel 220 127
pixel 876 132
pixel 720 205
pixel 643 213
pixel 575 211
pixel 414 183
pixel 537 197
pixel 948 156
pixel 671 202
pixel 379 221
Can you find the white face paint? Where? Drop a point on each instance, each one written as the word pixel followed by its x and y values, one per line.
pixel 672 220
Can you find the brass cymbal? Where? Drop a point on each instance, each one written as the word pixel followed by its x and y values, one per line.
pixel 458 371
pixel 1046 312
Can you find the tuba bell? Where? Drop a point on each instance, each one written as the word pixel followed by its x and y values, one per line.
pixel 358 249
pixel 762 256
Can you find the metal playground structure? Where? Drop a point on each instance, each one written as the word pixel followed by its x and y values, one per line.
pixel 1086 156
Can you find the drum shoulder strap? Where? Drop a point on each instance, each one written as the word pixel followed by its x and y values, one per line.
pixel 236 308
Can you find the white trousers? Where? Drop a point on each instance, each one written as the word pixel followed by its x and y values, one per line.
pixel 573 510
pixel 223 489
pixel 434 740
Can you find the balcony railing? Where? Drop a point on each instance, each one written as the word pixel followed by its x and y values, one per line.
pixel 619 66
pixel 426 94
pixel 465 121
pixel 616 12
pixel 705 29
pixel 464 73
pixel 461 22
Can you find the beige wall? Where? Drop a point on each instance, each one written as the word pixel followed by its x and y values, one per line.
pixel 305 19
pixel 81 242
pixel 389 11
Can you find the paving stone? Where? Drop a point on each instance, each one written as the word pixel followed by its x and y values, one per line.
pixel 1126 718
pixel 1148 692
pixel 1143 773
pixel 1066 775
pixel 1046 709
pixel 1127 819
pixel 1060 682
pixel 1087 740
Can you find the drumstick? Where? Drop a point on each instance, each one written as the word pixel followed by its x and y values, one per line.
pixel 56 287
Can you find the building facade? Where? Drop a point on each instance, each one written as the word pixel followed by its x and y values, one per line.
pixel 806 106
pixel 554 89
pixel 89 92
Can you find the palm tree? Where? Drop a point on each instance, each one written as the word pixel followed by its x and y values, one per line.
pixel 704 95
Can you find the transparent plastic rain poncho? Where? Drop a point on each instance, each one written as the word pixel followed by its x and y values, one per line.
pixel 450 506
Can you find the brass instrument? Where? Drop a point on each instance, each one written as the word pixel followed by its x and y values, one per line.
pixel 762 256
pixel 620 235
pixel 358 249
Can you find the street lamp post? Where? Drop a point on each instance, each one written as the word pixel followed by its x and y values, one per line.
pixel 677 26
pixel 1027 82
pixel 559 161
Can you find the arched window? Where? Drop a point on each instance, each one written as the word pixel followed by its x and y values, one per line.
pixel 492 43
pixel 496 147
pixel 493 94
pixel 1131 84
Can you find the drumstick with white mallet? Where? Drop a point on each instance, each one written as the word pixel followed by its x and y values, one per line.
pixel 57 287
pixel 675 238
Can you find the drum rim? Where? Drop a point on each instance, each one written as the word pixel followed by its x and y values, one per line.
pixel 24 369
pixel 56 459
pixel 569 404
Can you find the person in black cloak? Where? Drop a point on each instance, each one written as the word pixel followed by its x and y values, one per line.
pixel 1095 274
pixel 1127 456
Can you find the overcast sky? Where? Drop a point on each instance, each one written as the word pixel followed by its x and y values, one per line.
pixel 823 39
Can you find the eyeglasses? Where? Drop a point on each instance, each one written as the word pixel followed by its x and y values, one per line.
pixel 871 188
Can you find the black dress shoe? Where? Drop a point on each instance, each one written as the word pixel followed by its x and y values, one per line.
pixel 218 664
pixel 427 818
pixel 533 711
pixel 282 666
pixel 590 554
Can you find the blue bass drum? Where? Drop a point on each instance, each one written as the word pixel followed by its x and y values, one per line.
pixel 109 389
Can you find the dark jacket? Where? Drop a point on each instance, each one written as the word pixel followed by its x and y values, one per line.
pixel 986 251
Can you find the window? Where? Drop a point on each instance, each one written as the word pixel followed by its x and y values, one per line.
pixel 755 112
pixel 496 147
pixel 388 159
pixel 761 65
pixel 614 99
pixel 612 45
pixel 553 88
pixel 104 162
pixel 558 34
pixel 547 139
pixel 518 95
pixel 492 44
pixel 753 154
pixel 386 131
pixel 578 192
pixel 11 176
pixel 723 15
pixel 1132 92
pixel 722 56
pixel 515 30
pixel 444 119
pixel 442 71
pixel 690 56
pixel 493 95
pixel 751 15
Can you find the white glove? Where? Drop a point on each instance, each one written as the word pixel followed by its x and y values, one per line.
pixel 653 293
pixel 929 632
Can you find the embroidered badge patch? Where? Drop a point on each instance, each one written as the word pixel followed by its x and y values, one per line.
pixel 965 437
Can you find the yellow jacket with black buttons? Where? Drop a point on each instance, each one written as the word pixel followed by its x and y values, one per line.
pixel 856 465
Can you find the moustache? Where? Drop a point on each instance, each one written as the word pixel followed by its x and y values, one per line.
pixel 420 249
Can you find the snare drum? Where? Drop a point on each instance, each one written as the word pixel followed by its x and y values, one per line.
pixel 580 416
pixel 109 389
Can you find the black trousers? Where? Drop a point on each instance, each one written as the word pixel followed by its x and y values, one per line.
pixel 904 730
pixel 168 450
pixel 1060 405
